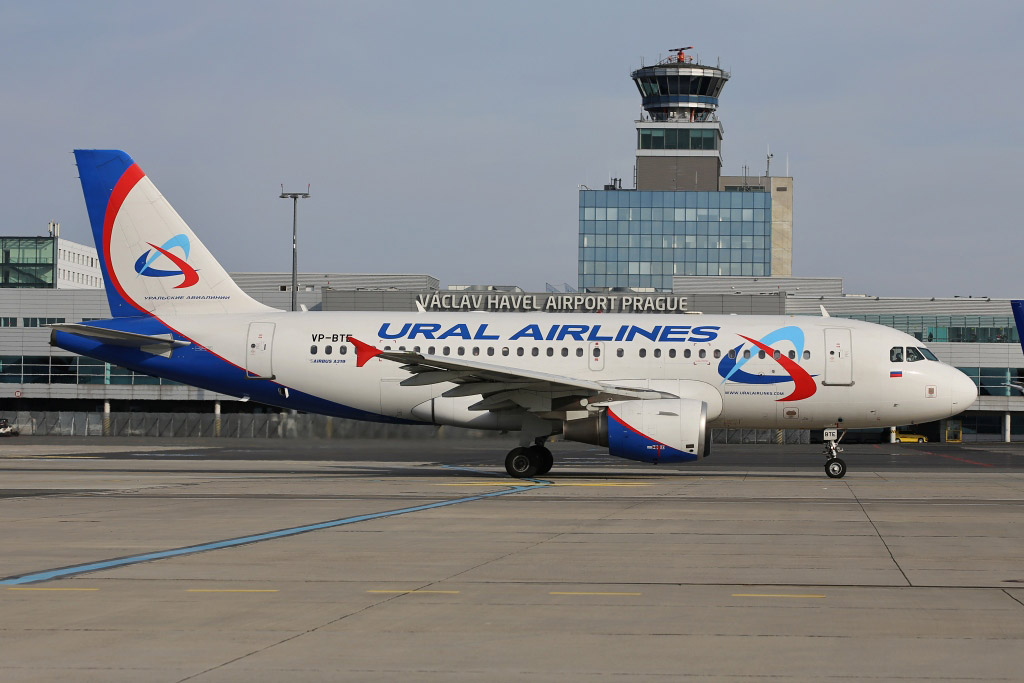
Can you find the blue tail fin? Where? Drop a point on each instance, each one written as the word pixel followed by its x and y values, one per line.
pixel 152 262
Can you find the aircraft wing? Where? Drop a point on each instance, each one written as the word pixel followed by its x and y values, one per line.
pixel 500 386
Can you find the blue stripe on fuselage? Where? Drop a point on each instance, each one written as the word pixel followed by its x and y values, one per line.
pixel 198 367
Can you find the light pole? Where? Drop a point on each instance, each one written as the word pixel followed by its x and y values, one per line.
pixel 295 196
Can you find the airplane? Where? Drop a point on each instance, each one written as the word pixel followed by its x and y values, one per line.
pixel 648 387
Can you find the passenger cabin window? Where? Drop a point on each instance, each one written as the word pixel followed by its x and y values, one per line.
pixel 343 349
pixel 551 352
pixel 702 353
pixel 619 352
pixel 746 353
pixel 807 355
pixel 327 350
pixel 671 353
pixel 430 350
pixel 776 354
pixel 579 352
pixel 597 352
pixel 896 354
pixel 732 353
pixel 643 353
pixel 686 353
pixel 535 351
pixel 760 354
pixel 657 353
pixel 792 354
pixel 312 349
pixel 565 352
pixel 520 351
pixel 718 353
pixel 913 355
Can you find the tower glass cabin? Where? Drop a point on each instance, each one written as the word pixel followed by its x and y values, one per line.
pixel 679 136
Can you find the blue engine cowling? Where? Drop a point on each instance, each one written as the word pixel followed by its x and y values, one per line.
pixel 661 430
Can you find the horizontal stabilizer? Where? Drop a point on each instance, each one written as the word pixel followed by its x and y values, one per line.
pixel 158 345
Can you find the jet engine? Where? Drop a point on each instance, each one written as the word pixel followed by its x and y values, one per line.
pixel 660 430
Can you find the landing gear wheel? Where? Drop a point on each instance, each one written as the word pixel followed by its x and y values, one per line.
pixel 835 468
pixel 521 463
pixel 545 461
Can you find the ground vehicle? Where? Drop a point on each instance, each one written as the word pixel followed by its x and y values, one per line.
pixel 903 437
pixel 7 429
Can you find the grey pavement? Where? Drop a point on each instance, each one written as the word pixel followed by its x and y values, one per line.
pixel 752 567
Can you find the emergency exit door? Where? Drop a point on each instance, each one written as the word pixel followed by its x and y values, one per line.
pixel 259 351
pixel 838 357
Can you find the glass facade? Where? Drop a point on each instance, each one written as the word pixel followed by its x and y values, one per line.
pixel 640 239
pixel 28 262
pixel 994 381
pixel 69 370
pixel 982 329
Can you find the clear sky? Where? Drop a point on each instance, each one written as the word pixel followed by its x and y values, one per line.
pixel 450 138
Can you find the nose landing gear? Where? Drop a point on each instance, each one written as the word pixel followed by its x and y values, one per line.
pixel 835 468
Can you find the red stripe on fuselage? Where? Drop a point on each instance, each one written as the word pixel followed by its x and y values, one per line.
pixel 804 385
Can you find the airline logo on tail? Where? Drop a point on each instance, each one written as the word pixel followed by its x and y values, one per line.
pixel 804 386
pixel 144 264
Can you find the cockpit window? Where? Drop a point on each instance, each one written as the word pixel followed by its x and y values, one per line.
pixel 926 353
pixel 913 355
pixel 896 354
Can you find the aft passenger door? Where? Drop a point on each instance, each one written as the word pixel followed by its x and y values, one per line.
pixel 259 351
pixel 838 357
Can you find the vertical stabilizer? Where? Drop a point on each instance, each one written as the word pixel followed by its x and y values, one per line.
pixel 152 262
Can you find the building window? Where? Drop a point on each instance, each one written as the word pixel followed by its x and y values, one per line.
pixel 8 322
pixel 40 322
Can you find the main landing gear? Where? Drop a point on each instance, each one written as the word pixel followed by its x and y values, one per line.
pixel 835 468
pixel 531 461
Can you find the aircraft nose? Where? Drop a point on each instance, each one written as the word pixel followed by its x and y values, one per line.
pixel 963 391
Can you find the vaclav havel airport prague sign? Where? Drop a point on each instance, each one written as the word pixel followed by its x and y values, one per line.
pixel 556 303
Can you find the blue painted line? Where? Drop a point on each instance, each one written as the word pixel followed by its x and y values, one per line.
pixel 74 570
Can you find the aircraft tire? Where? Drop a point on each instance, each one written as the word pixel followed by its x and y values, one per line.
pixel 835 468
pixel 520 463
pixel 545 461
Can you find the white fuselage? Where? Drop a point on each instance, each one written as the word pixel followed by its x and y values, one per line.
pixel 850 379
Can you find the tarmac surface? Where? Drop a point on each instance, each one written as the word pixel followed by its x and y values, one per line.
pixel 269 560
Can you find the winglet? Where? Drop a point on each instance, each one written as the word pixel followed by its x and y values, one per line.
pixel 1018 316
pixel 364 352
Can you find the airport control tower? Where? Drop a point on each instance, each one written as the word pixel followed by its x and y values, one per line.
pixel 679 136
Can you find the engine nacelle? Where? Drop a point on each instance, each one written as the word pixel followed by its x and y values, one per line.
pixel 661 430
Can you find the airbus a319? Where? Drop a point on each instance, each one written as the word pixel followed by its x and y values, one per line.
pixel 648 387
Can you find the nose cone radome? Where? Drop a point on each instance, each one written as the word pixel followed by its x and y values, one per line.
pixel 964 392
